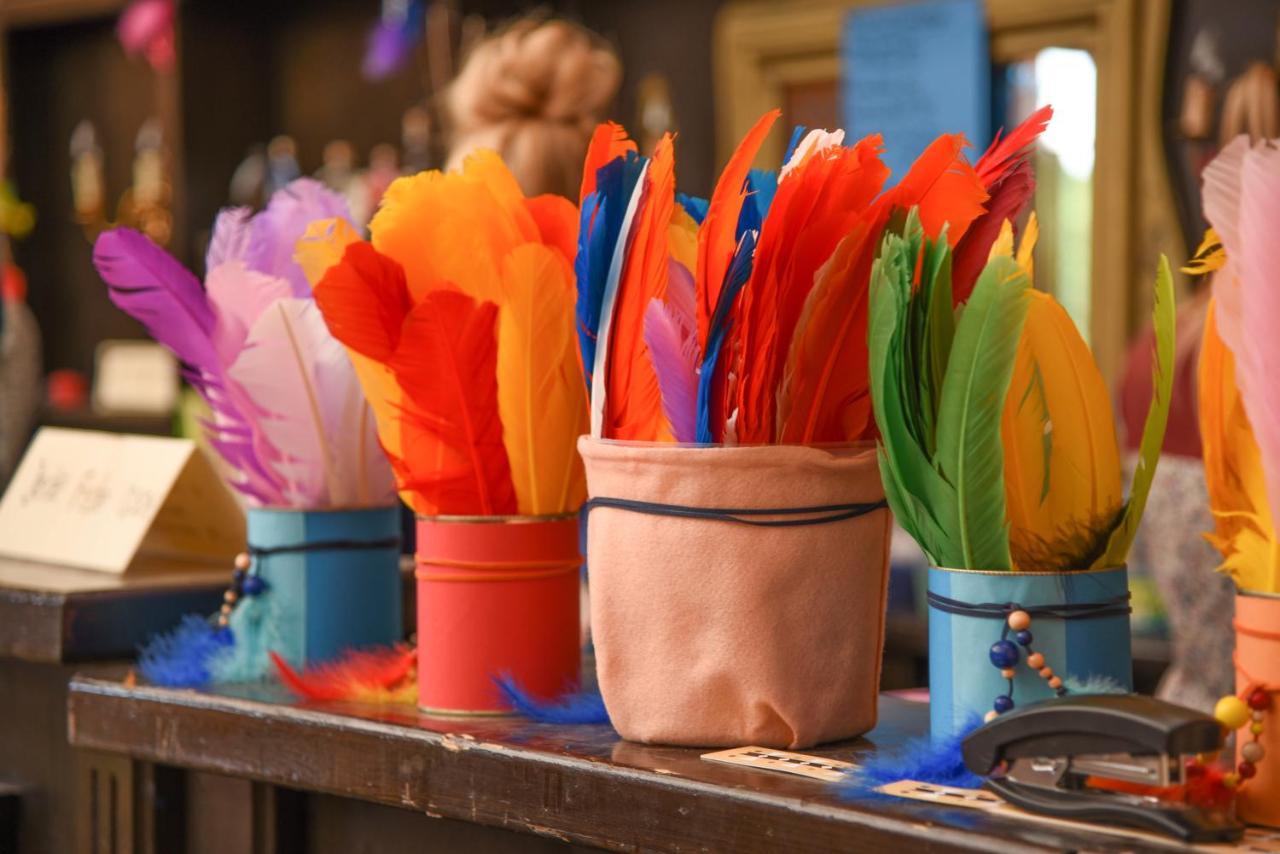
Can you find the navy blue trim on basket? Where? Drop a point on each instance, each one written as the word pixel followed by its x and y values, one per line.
pixel 326 546
pixel 1113 607
pixel 819 515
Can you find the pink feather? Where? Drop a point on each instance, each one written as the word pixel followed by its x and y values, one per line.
pixel 230 240
pixel 274 233
pixel 672 346
pixel 239 296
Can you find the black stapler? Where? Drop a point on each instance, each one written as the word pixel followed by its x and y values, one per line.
pixel 1043 757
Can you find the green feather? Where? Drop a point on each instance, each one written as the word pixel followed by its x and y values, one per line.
pixel 1164 318
pixel 970 452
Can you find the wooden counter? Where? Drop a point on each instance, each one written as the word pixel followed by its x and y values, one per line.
pixel 577 785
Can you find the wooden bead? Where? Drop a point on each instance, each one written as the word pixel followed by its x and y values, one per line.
pixel 1259 699
pixel 1246 770
pixel 1019 620
pixel 1035 661
pixel 1255 728
pixel 1252 752
pixel 1055 683
pixel 229 596
pixel 1046 673
pixel 990 716
pixel 1230 780
pixel 226 609
pixel 1258 716
pixel 1008 673
pixel 242 560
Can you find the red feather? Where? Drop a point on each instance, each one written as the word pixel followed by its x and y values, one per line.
pixel 1004 155
pixel 364 300
pixel 943 185
pixel 816 206
pixel 557 221
pixel 717 237
pixel 825 394
pixel 609 141
pixel 633 401
pixel 446 364
pixel 358 675
pixel 1009 196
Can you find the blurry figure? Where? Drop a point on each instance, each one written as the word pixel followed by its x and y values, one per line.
pixel 1170 547
pixel 657 115
pixel 145 29
pixel 146 205
pixel 533 92
pixel 337 165
pixel 249 179
pixel 19 366
pixel 282 164
pixel 392 40
pixel 88 190
pixel 415 139
pixel 1251 105
pixel 384 167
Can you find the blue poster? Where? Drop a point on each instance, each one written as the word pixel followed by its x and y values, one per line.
pixel 915 70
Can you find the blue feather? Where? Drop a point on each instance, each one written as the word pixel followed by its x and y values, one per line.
pixel 581 707
pixel 796 136
pixel 920 759
pixel 735 280
pixel 764 185
pixel 184 657
pixel 598 228
pixel 693 206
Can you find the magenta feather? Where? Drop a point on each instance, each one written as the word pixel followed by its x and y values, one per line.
pixel 275 232
pixel 672 344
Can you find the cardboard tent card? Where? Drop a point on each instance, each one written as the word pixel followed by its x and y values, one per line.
pixel 107 501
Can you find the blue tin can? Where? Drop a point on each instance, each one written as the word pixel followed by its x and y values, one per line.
pixel 1080 624
pixel 333 579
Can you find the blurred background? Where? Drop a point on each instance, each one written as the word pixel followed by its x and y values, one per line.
pixel 156 113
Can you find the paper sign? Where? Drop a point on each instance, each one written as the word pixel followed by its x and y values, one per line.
pixel 135 376
pixel 1256 839
pixel 105 501
pixel 913 71
pixel 817 767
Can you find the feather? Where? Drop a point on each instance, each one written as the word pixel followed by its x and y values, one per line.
pixel 1005 155
pixel 927 759
pixel 712 379
pixel 238 297
pixel 694 206
pixel 258 624
pixel 184 656
pixel 1209 256
pixel 600 238
pixel 970 454
pixel 230 240
pixel 580 707
pixel 1164 320
pixel 321 246
pixel 944 187
pixel 557 220
pixel 628 404
pixel 608 143
pixel 813 143
pixel 453 460
pixel 1243 533
pixel 817 204
pixel 719 236
pixel 682 238
pixel 1009 195
pixel 673 351
pixel 541 399
pixel 825 396
pixel 274 232
pixel 380 675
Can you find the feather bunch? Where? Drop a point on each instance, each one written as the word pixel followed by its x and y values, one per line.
pixel 458 314
pixel 772 346
pixel 288 416
pixel 998 448
pixel 1239 397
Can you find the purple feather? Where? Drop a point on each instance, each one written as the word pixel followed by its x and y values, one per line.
pixel 230 241
pixel 275 232
pixel 392 39
pixel 673 350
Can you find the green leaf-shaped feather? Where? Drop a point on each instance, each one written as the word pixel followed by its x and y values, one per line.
pixel 1164 318
pixel 970 453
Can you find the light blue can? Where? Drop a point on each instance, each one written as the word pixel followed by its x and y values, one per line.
pixel 333 579
pixel 1085 637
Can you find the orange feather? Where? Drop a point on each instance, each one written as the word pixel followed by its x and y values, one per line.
pixel 633 402
pixel 607 142
pixel 453 456
pixel 825 395
pixel 384 675
pixel 1001 157
pixel 717 238
pixel 557 221
pixel 944 186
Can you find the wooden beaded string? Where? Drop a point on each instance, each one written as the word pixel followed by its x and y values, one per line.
pixel 1250 707
pixel 1004 655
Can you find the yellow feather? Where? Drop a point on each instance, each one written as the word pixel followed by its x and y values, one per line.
pixel 682 237
pixel 1210 255
pixel 320 247
pixel 1062 462
pixel 1244 533
pixel 541 397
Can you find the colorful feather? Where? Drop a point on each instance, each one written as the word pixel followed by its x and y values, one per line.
pixel 713 380
pixel 275 232
pixel 452 458
pixel 383 675
pixel 608 143
pixel 579 707
pixel 230 240
pixel 1244 533
pixel 673 350
pixel 541 399
pixel 1164 320
pixel 719 236
pixel 943 186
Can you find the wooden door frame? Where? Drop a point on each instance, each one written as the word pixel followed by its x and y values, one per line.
pixel 761 46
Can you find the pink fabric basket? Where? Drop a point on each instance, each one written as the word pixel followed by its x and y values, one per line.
pixel 710 632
